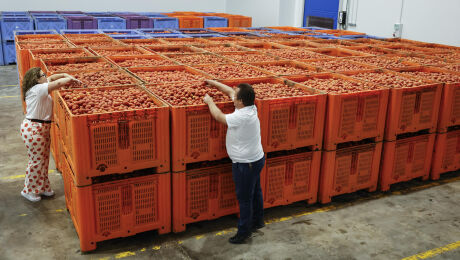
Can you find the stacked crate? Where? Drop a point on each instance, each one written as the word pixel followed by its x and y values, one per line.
pixel 8 24
pixel 202 182
pixel 342 100
pixel 115 163
pixel 412 112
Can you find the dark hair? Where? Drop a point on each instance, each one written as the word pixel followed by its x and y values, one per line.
pixel 30 79
pixel 246 94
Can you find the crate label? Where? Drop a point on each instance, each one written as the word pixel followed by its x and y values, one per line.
pixel 343 165
pixel 407 110
pixel 278 124
pixel 348 117
pixel 426 106
pixel 419 156
pixel 198 128
pixel 365 166
pixel 371 113
pixel 456 106
pixel 305 120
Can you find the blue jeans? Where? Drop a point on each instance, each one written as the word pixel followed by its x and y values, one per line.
pixel 249 194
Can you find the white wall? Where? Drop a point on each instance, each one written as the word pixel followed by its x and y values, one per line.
pixel 269 12
pixel 423 20
pixel 263 12
pixel 115 5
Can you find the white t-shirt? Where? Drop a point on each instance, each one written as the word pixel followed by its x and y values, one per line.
pixel 243 135
pixel 39 103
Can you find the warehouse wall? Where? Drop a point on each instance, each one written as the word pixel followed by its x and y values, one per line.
pixel 269 12
pixel 116 5
pixel 423 20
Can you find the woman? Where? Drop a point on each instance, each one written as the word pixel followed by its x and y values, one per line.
pixel 35 129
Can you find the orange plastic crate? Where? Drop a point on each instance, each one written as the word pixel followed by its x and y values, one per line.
pixel 93 37
pixel 202 194
pixel 198 59
pixel 37 55
pixel 299 43
pixel 349 169
pixel 23 54
pixel 351 116
pixel 231 71
pixel 195 135
pixel 118 51
pixel 338 52
pixel 181 41
pixel 292 178
pixel 285 68
pixel 114 143
pixel 446 154
pixel 97 43
pixel 97 78
pixel 238 20
pixel 340 32
pixel 449 110
pixel 228 29
pixel 369 50
pixel 39 38
pixel 172 49
pixel 187 74
pixel 406 159
pixel 288 28
pixel 118 209
pixel 413 109
pixel 51 66
pixel 150 60
pixel 186 21
pixel 249 56
pixel 289 122
pixel 141 42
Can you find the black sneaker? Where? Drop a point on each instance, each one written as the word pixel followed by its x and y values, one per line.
pixel 258 226
pixel 239 238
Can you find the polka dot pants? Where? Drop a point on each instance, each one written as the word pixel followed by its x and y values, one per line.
pixel 36 137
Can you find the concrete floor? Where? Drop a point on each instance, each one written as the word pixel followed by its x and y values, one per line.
pixel 414 218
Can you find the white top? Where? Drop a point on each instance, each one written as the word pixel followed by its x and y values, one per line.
pixel 39 103
pixel 243 135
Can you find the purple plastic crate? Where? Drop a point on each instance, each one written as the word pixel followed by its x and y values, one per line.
pixel 81 22
pixel 137 21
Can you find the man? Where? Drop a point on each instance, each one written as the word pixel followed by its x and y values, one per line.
pixel 244 148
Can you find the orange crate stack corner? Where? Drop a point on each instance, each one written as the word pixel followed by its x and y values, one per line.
pixel 291 178
pixel 118 208
pixel 449 110
pixel 351 116
pixel 146 132
pixel 413 109
pixel 349 169
pixel 446 153
pixel 406 159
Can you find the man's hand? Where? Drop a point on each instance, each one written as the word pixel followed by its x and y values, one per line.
pixel 207 99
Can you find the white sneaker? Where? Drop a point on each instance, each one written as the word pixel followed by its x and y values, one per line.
pixel 31 197
pixel 47 193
